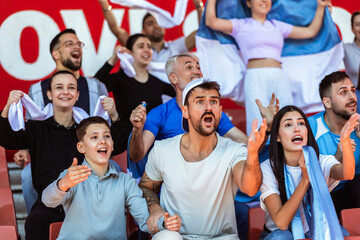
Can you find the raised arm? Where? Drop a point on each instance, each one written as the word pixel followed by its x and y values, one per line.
pixel 247 174
pixel 346 170
pixel 103 74
pixel 14 97
pixel 140 141
pixel 120 33
pixel 9 138
pixel 314 27
pixel 215 23
pixel 151 191
pixel 108 104
pixel 190 40
pixel 282 215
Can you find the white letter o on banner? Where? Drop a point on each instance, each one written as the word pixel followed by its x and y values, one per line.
pixel 10 52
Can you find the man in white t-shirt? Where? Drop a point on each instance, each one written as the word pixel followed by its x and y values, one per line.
pixel 200 171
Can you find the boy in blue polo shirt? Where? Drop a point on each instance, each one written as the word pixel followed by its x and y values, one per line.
pixel 94 195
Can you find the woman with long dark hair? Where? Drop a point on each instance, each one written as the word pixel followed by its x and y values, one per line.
pixel 289 133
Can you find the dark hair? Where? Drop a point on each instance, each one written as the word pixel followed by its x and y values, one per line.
pixel 145 17
pixel 56 40
pixel 206 85
pixel 353 17
pixel 325 84
pixel 132 39
pixel 85 123
pixel 276 150
pixel 58 73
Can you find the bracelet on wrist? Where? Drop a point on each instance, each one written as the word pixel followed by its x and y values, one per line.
pixel 199 5
pixel 108 8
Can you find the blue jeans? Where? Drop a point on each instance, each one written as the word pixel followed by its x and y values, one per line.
pixel 277 234
pixel 287 235
pixel 28 190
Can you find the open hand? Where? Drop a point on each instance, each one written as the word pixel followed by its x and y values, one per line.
pixel 256 137
pixel 74 175
pixel 270 111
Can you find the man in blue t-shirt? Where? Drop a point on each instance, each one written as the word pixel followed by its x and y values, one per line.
pixel 164 121
pixel 338 96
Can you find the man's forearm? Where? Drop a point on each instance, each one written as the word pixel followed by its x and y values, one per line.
pixel 136 145
pixel 151 196
pixel 251 177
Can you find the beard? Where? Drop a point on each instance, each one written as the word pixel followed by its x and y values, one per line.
pixel 199 127
pixel 156 38
pixel 71 65
pixel 344 114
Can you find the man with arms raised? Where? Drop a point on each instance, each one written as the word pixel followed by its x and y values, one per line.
pixel 200 171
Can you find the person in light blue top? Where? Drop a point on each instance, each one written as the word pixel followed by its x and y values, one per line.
pixel 338 96
pixel 95 195
pixel 289 184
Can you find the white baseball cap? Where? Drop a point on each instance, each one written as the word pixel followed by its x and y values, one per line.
pixel 191 85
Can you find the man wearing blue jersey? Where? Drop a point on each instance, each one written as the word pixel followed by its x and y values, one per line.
pixel 338 96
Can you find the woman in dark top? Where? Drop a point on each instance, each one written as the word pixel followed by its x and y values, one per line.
pixel 52 145
pixel 129 92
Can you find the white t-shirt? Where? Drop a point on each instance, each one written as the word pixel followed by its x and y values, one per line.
pixel 270 185
pixel 202 192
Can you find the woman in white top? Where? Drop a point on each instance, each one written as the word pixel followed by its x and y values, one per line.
pixel 289 133
pixel 261 41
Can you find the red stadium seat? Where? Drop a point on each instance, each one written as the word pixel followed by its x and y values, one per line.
pixel 121 159
pixel 256 221
pixel 54 230
pixel 4 175
pixel 350 219
pixel 8 233
pixel 7 210
pixel 131 227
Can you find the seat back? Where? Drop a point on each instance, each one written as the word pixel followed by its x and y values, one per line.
pixel 131 227
pixel 4 174
pixel 350 219
pixel 7 210
pixel 8 232
pixel 54 230
pixel 256 221
pixel 121 159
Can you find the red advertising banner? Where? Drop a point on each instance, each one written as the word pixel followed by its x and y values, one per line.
pixel 27 28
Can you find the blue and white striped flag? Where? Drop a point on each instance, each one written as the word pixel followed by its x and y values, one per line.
pixel 305 62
